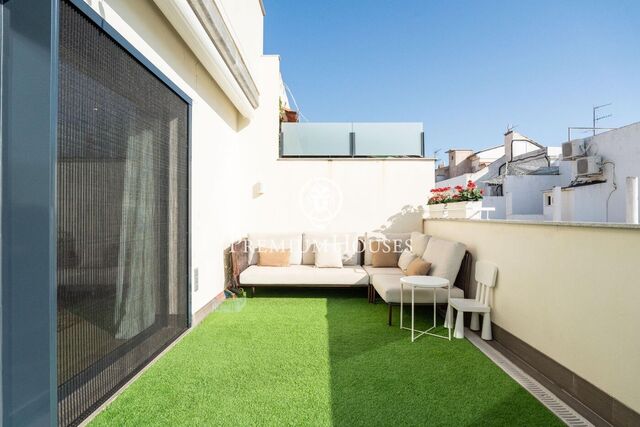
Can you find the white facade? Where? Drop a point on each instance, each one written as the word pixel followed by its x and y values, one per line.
pixel 238 184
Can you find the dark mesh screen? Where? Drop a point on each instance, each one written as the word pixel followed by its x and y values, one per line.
pixel 122 179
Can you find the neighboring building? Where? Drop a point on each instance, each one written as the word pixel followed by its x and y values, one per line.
pixel 522 170
pixel 594 172
pixel 465 161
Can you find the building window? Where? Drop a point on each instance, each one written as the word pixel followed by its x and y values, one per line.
pixel 122 216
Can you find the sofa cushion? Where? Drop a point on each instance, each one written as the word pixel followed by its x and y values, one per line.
pixel 328 256
pixel 445 257
pixel 348 243
pixel 291 241
pixel 418 267
pixel 402 239
pixel 304 275
pixel 388 287
pixel 406 257
pixel 372 271
pixel 383 253
pixel 273 257
pixel 419 243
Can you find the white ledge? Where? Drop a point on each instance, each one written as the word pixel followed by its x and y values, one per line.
pixel 617 225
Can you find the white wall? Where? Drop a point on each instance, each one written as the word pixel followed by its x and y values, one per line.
pixel 526 192
pixel 496 202
pixel 621 147
pixel 367 194
pixel 464 178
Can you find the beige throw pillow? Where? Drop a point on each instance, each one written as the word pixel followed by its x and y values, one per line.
pixel 273 257
pixel 405 259
pixel 383 255
pixel 418 267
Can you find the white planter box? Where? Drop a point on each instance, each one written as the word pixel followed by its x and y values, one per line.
pixel 468 210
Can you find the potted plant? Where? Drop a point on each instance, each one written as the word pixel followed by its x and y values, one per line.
pixel 456 202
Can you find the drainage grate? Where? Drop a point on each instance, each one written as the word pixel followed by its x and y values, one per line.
pixel 569 416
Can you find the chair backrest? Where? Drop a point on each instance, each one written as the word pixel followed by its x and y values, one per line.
pixel 486 274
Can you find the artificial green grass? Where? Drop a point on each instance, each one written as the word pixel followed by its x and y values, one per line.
pixel 320 357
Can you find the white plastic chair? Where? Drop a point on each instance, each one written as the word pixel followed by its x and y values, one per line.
pixel 486 274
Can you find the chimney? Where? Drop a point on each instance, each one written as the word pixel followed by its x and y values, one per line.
pixel 508 145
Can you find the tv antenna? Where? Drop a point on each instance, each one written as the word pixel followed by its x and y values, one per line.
pixel 597 118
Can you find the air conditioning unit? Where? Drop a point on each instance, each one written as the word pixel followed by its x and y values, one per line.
pixel 591 165
pixel 572 149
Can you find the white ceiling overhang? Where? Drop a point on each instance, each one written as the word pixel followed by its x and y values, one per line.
pixel 202 26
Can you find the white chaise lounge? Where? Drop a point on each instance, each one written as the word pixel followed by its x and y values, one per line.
pixel 445 257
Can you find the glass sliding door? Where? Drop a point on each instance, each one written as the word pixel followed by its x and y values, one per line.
pixel 122 215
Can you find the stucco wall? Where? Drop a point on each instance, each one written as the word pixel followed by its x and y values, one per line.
pixel 527 190
pixel 569 291
pixel 363 195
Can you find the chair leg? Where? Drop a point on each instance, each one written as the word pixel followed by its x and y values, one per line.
pixel 390 313
pixel 448 322
pixel 475 322
pixel 459 330
pixel 486 327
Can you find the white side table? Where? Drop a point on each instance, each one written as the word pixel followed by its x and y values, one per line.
pixel 429 282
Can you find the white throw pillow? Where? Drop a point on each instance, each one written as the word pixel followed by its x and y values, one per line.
pixel 328 256
pixel 405 259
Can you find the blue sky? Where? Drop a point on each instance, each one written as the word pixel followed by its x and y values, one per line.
pixel 467 69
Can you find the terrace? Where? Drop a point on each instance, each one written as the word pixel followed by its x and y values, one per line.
pixel 147 156
pixel 327 356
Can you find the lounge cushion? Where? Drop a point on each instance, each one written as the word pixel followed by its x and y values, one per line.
pixel 291 241
pixel 419 243
pixel 445 257
pixel 348 243
pixel 372 271
pixel 402 238
pixel 304 275
pixel 388 287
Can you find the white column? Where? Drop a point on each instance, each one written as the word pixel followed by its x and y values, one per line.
pixel 557 204
pixel 632 200
pixel 508 200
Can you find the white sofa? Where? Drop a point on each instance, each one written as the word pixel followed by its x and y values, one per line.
pixel 302 270
pixel 357 271
pixel 445 257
